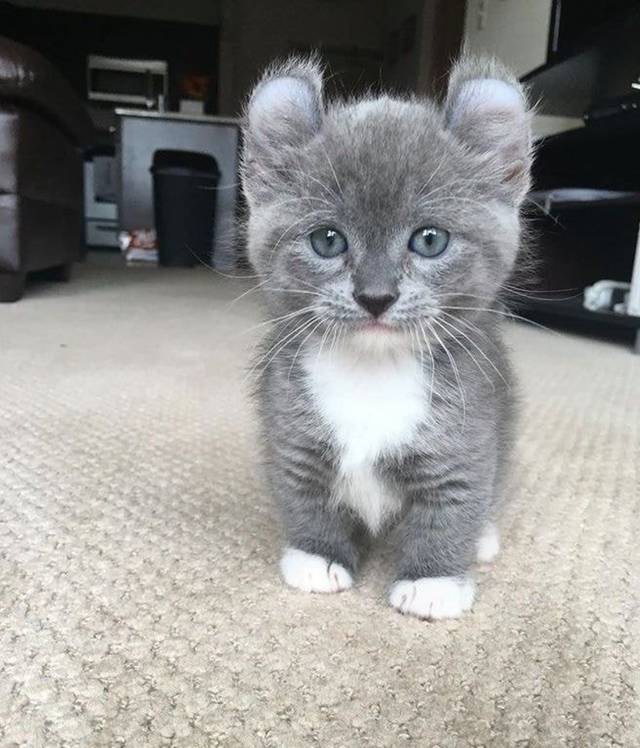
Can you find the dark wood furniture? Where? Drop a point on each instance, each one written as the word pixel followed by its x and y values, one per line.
pixel 43 128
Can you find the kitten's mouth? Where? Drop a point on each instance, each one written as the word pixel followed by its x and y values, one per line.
pixel 375 325
pixel 378 338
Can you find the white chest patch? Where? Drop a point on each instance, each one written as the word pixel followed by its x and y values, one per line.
pixel 373 404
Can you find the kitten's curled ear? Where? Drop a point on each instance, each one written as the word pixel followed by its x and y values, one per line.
pixel 487 109
pixel 284 111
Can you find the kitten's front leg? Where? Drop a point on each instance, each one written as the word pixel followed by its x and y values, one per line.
pixel 320 553
pixel 439 538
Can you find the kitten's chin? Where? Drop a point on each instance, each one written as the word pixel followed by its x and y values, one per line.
pixel 378 337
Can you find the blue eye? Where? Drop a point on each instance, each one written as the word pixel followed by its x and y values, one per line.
pixel 429 241
pixel 328 242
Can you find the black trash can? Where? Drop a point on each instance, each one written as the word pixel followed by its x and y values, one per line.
pixel 184 203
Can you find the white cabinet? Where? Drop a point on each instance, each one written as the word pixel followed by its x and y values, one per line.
pixel 100 207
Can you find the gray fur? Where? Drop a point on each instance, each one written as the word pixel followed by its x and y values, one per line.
pixel 377 169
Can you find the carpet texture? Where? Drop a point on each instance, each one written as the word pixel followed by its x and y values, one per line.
pixel 139 598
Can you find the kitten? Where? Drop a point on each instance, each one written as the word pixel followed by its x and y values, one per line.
pixel 383 229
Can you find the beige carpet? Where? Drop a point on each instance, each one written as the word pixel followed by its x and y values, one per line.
pixel 139 600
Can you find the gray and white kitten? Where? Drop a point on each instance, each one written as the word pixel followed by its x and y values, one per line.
pixel 382 229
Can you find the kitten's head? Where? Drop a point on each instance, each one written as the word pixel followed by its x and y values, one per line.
pixel 378 215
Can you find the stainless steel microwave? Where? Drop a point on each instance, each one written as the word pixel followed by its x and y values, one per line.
pixel 137 83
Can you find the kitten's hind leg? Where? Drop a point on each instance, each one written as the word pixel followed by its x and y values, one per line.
pixel 488 545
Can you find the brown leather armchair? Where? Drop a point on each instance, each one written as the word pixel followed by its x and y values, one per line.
pixel 43 128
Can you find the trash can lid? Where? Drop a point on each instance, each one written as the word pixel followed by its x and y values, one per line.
pixel 185 162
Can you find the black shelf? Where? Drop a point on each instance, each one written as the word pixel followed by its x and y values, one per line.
pixel 566 87
pixel 558 200
pixel 601 69
pixel 573 309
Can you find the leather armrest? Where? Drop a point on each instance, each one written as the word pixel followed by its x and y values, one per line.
pixel 26 76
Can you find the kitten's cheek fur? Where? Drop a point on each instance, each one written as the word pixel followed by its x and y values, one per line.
pixel 433 598
pixel 312 573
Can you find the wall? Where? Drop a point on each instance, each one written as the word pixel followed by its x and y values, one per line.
pixel 67 38
pixel 442 38
pixel 254 33
pixel 403 74
pixel 195 11
pixel 516 31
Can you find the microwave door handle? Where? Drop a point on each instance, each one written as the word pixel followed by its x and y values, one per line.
pixel 149 78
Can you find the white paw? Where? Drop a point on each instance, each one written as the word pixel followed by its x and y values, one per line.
pixel 312 573
pixel 433 597
pixel 488 544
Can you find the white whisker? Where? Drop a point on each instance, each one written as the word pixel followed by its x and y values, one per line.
pixel 433 363
pixel 246 293
pixel 470 326
pixel 280 345
pixel 456 374
pixel 300 346
pixel 279 320
pixel 333 171
pixel 509 315
pixel 448 330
